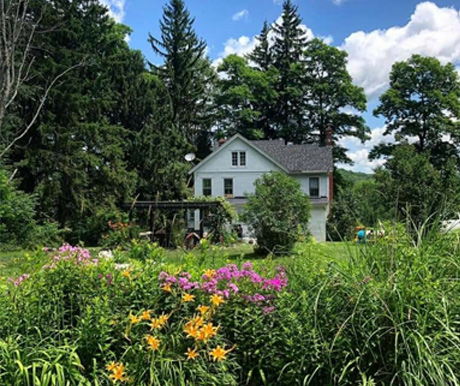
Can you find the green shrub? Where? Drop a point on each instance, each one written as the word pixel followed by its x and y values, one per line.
pixel 17 213
pixel 18 226
pixel 278 212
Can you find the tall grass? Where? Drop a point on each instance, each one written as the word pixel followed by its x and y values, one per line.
pixel 386 313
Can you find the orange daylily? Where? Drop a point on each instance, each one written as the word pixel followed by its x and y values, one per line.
pixel 210 273
pixel 191 354
pixel 118 373
pixel 153 342
pixel 220 353
pixel 203 309
pixel 146 315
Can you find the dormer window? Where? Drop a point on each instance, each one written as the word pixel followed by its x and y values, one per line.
pixel 238 158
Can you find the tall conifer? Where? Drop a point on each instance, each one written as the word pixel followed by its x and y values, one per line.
pixel 182 71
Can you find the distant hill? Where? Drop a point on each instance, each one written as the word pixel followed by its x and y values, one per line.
pixel 354 177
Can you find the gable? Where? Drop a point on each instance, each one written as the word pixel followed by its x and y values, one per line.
pixel 221 159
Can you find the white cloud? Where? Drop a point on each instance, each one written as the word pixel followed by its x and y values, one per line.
pixel 327 39
pixel 431 31
pixel 243 14
pixel 359 152
pixel 338 2
pixel 362 162
pixel 116 9
pixel 278 2
pixel 241 46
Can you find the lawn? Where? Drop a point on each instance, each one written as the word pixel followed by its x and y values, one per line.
pixel 18 262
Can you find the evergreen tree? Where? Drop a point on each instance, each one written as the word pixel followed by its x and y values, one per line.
pixel 289 43
pixel 75 157
pixel 158 149
pixel 262 55
pixel 183 68
pixel 328 90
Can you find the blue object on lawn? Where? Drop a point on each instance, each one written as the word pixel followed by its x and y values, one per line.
pixel 361 235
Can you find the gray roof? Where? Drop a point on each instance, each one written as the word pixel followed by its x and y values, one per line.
pixel 298 158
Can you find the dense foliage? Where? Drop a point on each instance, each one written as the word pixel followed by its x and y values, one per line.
pixel 277 212
pixel 91 127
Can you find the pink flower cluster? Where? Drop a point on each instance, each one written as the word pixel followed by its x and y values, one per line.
pixel 19 280
pixel 183 281
pixel 67 252
pixel 230 280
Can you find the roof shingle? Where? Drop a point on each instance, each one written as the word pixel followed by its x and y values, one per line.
pixel 298 158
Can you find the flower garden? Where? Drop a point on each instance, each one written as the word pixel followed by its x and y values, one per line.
pixel 370 315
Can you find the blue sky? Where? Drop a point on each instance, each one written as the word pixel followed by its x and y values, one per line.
pixel 375 33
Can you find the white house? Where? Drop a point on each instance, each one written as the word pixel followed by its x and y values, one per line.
pixel 231 169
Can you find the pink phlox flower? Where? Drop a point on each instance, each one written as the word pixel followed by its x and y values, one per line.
pixel 268 310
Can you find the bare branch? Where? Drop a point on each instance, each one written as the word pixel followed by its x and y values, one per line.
pixel 39 108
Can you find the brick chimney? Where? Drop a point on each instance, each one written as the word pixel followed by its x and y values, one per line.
pixel 329 140
pixel 218 143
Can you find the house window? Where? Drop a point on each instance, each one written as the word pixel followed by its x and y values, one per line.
pixel 314 187
pixel 228 186
pixel 234 158
pixel 238 158
pixel 207 187
pixel 242 158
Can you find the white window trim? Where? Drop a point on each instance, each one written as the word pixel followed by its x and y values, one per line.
pixel 238 151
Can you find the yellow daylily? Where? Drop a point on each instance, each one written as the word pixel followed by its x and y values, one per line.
pixel 188 298
pixel 133 318
pixel 216 300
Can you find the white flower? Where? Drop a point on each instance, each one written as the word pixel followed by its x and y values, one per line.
pixel 119 267
pixel 105 254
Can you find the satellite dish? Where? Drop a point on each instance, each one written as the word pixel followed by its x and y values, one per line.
pixel 190 157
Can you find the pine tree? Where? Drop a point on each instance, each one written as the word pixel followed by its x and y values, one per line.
pixel 328 90
pixel 182 71
pixel 262 55
pixel 74 159
pixel 290 38
pixel 289 43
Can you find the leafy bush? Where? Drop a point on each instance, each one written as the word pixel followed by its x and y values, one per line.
pixel 278 212
pixel 18 226
pixel 17 213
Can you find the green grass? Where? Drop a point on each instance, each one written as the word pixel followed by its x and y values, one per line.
pixel 13 264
